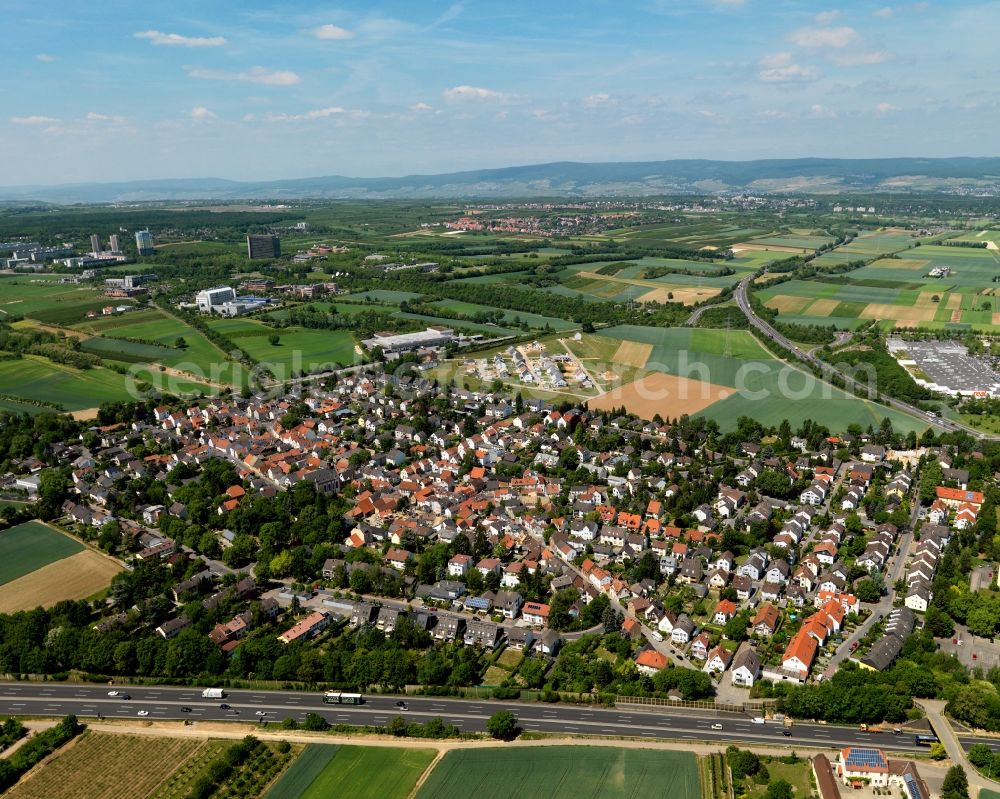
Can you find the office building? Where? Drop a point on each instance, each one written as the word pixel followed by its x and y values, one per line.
pixel 114 244
pixel 144 242
pixel 95 243
pixel 210 300
pixel 263 247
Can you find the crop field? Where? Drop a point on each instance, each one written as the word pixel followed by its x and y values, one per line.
pixel 509 317
pixel 37 378
pixel 107 766
pixel 723 375
pixel 30 546
pixel 45 299
pixel 562 772
pixel 489 330
pixel 78 576
pixel 127 351
pixel 383 296
pixel 180 781
pixel 803 241
pixel 352 772
pixel 199 357
pixel 297 348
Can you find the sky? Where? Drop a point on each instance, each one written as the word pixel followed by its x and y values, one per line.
pixel 248 90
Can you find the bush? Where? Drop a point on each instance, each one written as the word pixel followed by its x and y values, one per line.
pixel 502 725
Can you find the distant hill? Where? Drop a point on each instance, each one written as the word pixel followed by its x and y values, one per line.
pixel 564 179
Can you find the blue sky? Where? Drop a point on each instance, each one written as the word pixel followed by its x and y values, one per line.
pixel 116 90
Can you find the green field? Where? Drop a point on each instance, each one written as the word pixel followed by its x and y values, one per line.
pixel 766 389
pixel 37 378
pixel 298 348
pixel 352 772
pixel 30 546
pixel 562 772
pixel 44 298
pixel 200 357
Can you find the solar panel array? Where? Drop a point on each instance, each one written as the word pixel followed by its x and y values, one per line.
pixel 912 787
pixel 865 758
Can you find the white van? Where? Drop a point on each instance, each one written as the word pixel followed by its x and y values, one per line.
pixel 758 720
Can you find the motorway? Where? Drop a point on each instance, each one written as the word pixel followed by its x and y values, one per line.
pixel 743 301
pixel 166 703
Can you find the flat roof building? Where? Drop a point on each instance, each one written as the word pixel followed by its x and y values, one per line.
pixel 263 247
pixel 433 336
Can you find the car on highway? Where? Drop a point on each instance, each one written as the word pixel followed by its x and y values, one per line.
pixel 787 733
pixel 142 713
pixel 185 710
pixel 126 696
pixel 716 726
pixel 402 706
pixel 224 706
pixel 261 713
pixel 113 693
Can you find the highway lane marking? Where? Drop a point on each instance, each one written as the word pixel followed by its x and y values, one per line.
pixel 362 711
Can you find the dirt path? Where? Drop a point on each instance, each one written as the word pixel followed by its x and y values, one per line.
pixel 427 772
pixel 68 331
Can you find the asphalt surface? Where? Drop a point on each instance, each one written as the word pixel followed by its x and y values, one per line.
pixel 829 371
pixel 166 703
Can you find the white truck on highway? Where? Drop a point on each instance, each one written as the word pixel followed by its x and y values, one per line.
pixel 213 693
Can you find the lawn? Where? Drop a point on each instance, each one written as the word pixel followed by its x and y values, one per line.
pixel 31 545
pixel 352 772
pixel 103 766
pixel 798 775
pixel 562 772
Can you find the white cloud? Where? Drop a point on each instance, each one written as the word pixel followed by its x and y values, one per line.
pixel 818 111
pixel 632 119
pixel 780 68
pixel 261 75
pixel 201 113
pixel 318 113
pixel 886 108
pixel 175 39
pixel 885 13
pixel 332 32
pixel 599 100
pixel 861 59
pixel 45 58
pixel 813 38
pixel 421 108
pixel 459 94
pixel 826 17
pixel 35 119
pixel 93 116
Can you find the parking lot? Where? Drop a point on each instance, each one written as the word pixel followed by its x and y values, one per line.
pixel 948 366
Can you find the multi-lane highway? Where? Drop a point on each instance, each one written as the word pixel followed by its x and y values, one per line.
pixel 163 703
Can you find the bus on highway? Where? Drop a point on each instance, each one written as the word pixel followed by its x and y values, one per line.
pixel 342 698
pixel 925 740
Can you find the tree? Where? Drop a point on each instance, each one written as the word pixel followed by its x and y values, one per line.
pixel 397 727
pixel 274 339
pixel 180 343
pixel 778 789
pixel 743 762
pixel 938 752
pixel 980 755
pixel 502 725
pixel 868 590
pixel 956 784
